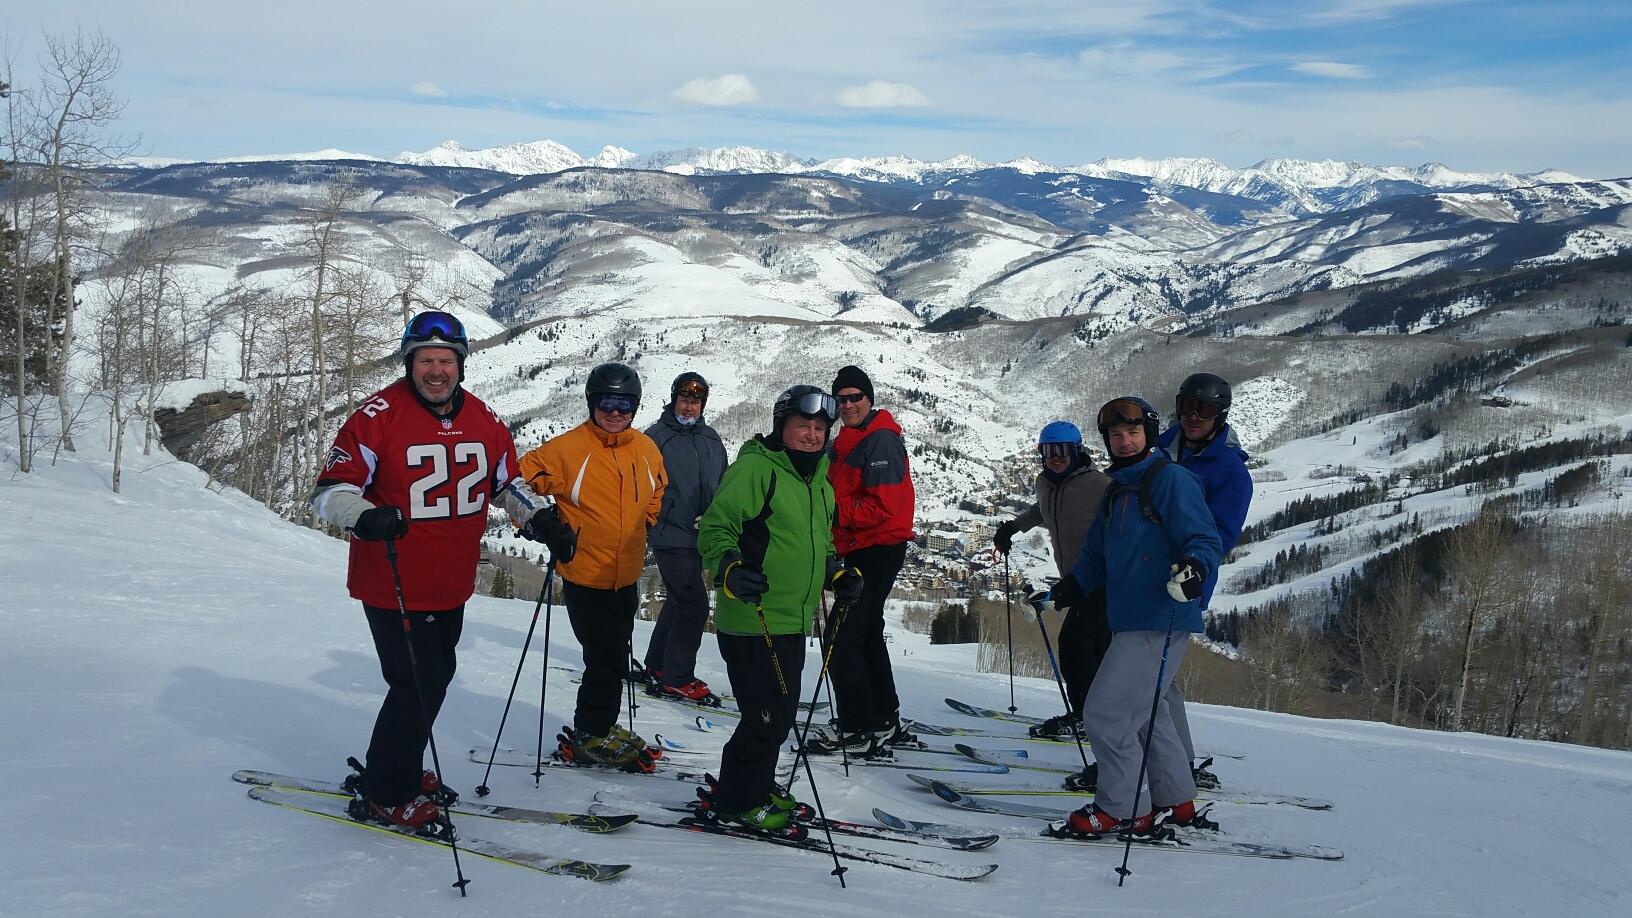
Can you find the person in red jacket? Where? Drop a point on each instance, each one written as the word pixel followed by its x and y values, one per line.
pixel 872 489
pixel 418 464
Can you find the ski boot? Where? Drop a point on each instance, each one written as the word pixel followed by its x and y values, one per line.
pixel 418 817
pixel 895 736
pixel 1091 822
pixel 1085 781
pixel 828 741
pixel 696 691
pixel 782 799
pixel 1057 727
pixel 430 786
pixel 432 789
pixel 608 751
pixel 643 675
pixel 765 819
pixel 1204 779
pixel 1187 816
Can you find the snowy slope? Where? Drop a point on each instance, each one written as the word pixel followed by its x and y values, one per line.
pixel 159 639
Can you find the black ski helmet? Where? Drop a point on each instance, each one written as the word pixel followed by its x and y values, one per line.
pixel 809 401
pixel 689 377
pixel 612 379
pixel 1213 390
pixel 434 329
pixel 1128 409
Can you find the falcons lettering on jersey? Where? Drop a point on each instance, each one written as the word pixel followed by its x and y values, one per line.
pixel 442 472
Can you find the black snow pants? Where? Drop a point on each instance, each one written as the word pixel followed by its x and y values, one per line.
pixel 679 629
pixel 748 764
pixel 396 751
pixel 863 682
pixel 1085 635
pixel 603 621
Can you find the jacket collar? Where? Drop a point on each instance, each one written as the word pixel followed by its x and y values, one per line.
pixel 1222 440
pixel 1128 474
pixel 672 422
pixel 610 440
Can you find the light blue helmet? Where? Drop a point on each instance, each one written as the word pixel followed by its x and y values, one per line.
pixel 1060 432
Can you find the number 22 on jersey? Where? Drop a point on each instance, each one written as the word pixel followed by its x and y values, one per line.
pixel 468 495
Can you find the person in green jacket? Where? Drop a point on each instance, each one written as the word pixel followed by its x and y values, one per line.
pixel 768 536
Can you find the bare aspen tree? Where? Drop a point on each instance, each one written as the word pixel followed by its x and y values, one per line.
pixel 75 105
pixel 1606 588
pixel 1478 572
pixel 323 242
pixel 23 214
pixel 1404 613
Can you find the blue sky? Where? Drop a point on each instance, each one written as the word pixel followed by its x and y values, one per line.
pixel 1475 84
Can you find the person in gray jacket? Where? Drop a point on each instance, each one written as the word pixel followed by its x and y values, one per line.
pixel 695 460
pixel 1069 494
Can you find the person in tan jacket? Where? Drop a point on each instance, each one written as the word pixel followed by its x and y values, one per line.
pixel 607 479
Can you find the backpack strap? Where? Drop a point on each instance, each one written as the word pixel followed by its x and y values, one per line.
pixel 1147 506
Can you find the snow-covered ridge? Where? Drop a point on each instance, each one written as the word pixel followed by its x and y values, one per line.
pixel 1300 186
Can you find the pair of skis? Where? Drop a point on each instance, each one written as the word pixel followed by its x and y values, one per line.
pixel 1195 841
pixel 654 814
pixel 329 800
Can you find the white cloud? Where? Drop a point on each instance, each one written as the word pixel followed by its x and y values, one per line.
pixel 881 94
pixel 1333 69
pixel 730 89
pixel 1368 9
pixel 1127 59
pixel 427 88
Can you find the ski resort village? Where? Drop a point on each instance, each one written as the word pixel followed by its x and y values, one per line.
pixel 804 462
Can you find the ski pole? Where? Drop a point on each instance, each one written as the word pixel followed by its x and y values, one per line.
pixel 792 707
pixel 424 715
pixel 482 790
pixel 630 682
pixel 830 640
pixel 544 679
pixel 1150 731
pixel 1036 600
pixel 1008 615
pixel 801 736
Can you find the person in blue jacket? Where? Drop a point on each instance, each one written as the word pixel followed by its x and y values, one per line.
pixel 1204 442
pixel 1152 547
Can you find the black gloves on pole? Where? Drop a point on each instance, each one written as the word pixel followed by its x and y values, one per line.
pixel 742 580
pixel 1004 539
pixel 380 523
pixel 547 526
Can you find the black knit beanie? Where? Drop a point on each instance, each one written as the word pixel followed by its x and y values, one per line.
pixel 852 377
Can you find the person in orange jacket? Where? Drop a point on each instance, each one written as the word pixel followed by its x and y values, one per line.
pixel 607 479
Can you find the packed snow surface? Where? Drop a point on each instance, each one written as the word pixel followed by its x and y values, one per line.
pixel 159 639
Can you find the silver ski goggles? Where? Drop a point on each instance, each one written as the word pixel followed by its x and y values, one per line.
pixel 817 403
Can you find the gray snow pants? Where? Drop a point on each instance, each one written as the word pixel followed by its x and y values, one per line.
pixel 1181 717
pixel 1115 717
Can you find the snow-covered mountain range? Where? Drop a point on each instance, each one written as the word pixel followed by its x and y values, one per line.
pixel 1298 187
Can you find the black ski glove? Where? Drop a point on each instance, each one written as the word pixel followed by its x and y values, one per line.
pixel 380 523
pixel 547 526
pixel 846 583
pixel 741 580
pixel 1188 578
pixel 1068 593
pixel 1004 540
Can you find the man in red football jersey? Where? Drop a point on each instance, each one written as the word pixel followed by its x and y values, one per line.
pixel 418 464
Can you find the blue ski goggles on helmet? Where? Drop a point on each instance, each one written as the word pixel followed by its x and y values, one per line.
pixel 438 328
pixel 817 403
pixel 615 404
